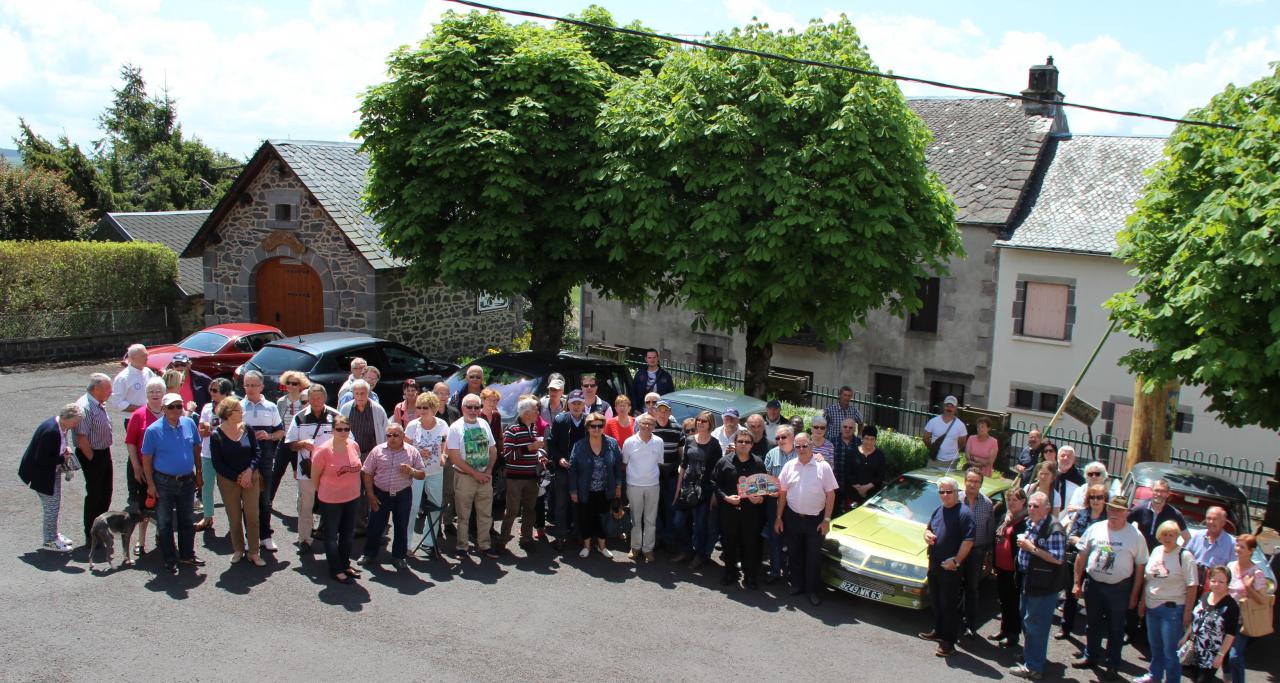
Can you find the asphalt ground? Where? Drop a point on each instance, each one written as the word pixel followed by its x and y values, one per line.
pixel 524 617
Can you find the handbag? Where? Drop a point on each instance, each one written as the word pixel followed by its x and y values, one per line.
pixel 936 444
pixel 1255 616
pixel 1187 654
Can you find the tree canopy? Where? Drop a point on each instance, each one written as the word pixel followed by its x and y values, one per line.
pixel 481 143
pixel 1204 246
pixel 780 197
pixel 36 205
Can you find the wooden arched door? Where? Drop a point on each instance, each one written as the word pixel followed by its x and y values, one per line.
pixel 290 296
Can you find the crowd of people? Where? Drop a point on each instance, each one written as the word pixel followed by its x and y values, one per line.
pixel 570 468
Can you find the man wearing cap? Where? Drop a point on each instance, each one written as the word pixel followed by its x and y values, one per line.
pixel 1112 556
pixel 773 418
pixel 195 384
pixel 553 403
pixel 652 379
pixel 843 409
pixel 129 388
pixel 568 429
pixel 944 434
pixel 728 429
pixel 672 434
pixel 171 464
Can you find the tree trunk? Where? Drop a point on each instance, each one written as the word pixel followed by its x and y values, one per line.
pixel 545 309
pixel 755 378
pixel 1151 435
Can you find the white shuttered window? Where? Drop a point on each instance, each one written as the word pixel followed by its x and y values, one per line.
pixel 1046 313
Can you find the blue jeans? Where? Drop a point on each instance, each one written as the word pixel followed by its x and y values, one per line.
pixel 396 506
pixel 1164 630
pixel 772 540
pixel 175 498
pixel 698 541
pixel 1235 658
pixel 1105 606
pixel 1037 618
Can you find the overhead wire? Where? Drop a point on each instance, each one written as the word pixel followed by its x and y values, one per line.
pixel 839 67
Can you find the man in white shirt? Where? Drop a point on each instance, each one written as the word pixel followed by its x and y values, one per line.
pixel 641 454
pixel 728 429
pixel 473 452
pixel 1113 554
pixel 129 388
pixel 948 431
pixel 263 417
pixel 807 492
pixel 553 403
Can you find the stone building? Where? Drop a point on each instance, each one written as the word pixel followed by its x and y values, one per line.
pixel 173 229
pixel 290 245
pixel 988 153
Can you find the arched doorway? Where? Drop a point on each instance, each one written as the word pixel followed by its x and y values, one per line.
pixel 290 296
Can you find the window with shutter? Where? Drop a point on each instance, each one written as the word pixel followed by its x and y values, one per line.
pixel 1046 310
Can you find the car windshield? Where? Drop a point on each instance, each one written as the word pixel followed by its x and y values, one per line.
pixel 204 342
pixel 274 360
pixel 908 498
pixel 510 386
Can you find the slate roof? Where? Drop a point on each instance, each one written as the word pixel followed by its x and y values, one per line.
pixel 1090 187
pixel 173 229
pixel 984 150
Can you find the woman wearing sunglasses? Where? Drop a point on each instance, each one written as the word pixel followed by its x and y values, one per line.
pixel 595 480
pixel 335 472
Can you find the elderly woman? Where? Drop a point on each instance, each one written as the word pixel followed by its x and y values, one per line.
pixel 335 472
pixel 1008 578
pixel 818 439
pixel 699 453
pixel 135 479
pixel 236 458
pixel 1169 587
pixel 51 450
pixel 525 455
pixel 595 479
pixel 1248 582
pixel 1215 624
pixel 981 448
pixel 219 389
pixel 1095 511
pixel 427 433
pixel 406 411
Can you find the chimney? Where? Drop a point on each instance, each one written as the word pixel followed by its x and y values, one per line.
pixel 1042 84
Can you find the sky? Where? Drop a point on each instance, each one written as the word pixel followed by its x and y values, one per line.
pixel 242 72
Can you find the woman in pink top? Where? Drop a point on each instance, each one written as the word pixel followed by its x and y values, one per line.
pixel 1248 582
pixel 621 426
pixel 335 470
pixel 406 411
pixel 981 448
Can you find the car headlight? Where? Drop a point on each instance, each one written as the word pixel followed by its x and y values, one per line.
pixel 903 569
pixel 845 553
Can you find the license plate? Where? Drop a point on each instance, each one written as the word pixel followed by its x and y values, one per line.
pixel 855 589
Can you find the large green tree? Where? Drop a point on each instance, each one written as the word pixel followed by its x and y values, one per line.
pixel 481 143
pixel 781 197
pixel 1205 245
pixel 36 205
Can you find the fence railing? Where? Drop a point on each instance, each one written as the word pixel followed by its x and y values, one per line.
pixel 57 324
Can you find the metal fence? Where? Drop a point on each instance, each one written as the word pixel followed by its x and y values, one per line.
pixel 59 324
pixel 909 417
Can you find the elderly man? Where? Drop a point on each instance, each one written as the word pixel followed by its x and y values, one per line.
pixel 263 417
pixel 774 461
pixel 473 452
pixel 984 536
pixel 807 492
pixel 1212 545
pixel 741 516
pixel 945 433
pixel 553 403
pixel 773 418
pixel 729 427
pixel 568 429
pixel 474 385
pixel 129 389
pixel 590 394
pixel 1113 555
pixel 524 454
pixel 371 377
pixel 652 379
pixel 368 428
pixel 672 434
pixel 1040 554
pixel 843 409
pixel 949 536
pixel 388 475
pixel 760 442
pixel 93 449
pixel 641 456
pixel 48 452
pixel 1029 455
pixel 311 428
pixel 171 463
pixel 1069 476
pixel 358 366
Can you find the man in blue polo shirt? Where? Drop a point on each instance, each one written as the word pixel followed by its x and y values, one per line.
pixel 171 463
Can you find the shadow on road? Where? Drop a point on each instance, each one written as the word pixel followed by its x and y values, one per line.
pixel 241 577
pixel 47 561
pixel 177 586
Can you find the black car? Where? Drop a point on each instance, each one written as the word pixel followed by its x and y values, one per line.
pixel 326 358
pixel 1192 492
pixel 526 372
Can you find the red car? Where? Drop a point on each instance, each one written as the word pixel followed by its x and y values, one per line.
pixel 217 350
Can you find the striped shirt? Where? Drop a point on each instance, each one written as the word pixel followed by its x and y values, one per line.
pixel 521 464
pixel 96 423
pixel 984 520
pixel 836 415
pixel 383 464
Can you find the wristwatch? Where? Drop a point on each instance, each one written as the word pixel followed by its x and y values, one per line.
pixel 826 519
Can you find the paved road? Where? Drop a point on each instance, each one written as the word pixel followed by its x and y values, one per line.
pixel 522 618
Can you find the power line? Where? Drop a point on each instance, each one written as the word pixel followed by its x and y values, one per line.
pixel 838 67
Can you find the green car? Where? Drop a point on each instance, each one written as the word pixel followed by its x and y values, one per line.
pixel 877 551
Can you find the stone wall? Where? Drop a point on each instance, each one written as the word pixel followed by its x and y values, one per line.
pixel 87 346
pixel 441 322
pixel 231 265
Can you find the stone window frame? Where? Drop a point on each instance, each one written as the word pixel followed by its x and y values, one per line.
pixel 1020 304
pixel 1038 391
pixel 291 198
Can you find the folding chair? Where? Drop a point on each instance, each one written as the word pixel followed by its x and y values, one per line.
pixel 430 514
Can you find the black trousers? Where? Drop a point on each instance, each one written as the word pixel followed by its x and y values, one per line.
pixel 944 593
pixel 1009 588
pixel 803 543
pixel 971 572
pixel 592 507
pixel 98 475
pixel 285 457
pixel 339 526
pixel 740 538
pixel 267 466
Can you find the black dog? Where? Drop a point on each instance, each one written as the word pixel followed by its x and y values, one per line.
pixel 106 527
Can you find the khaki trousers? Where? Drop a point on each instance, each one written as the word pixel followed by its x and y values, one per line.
pixel 241 505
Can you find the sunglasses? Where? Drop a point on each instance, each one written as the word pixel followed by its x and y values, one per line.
pixel 588 386
pixel 703 421
pixel 395 436
pixel 341 429
pixel 784 438
pixel 651 403
pixel 470 407
pixel 1097 497
pixel 804 446
pixel 177 406
pixel 596 425
pixel 818 427
pixel 745 443
pixel 293 383
pixel 946 493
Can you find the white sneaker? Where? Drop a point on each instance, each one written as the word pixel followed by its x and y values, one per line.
pixel 65 540
pixel 57 546
pixel 585 553
pixel 606 552
pixel 268 545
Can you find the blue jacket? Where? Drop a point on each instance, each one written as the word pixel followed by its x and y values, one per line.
pixel 39 466
pixel 582 461
pixel 640 385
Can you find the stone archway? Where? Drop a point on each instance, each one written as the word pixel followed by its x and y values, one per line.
pixel 289 296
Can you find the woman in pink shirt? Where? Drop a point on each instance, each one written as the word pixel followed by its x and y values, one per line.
pixel 621 426
pixel 335 471
pixel 981 448
pixel 406 411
